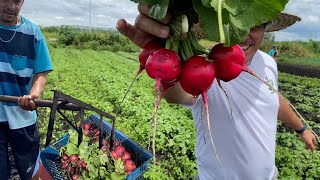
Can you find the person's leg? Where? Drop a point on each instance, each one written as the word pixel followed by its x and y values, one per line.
pixel 4 159
pixel 25 148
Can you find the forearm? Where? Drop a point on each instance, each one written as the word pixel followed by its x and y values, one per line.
pixel 287 115
pixel 38 84
pixel 176 95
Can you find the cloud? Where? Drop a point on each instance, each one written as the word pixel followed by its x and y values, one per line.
pixel 291 36
pixel 105 13
pixel 308 27
pixel 59 18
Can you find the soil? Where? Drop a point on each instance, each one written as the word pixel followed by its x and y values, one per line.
pixel 299 70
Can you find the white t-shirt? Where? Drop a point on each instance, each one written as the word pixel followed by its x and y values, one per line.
pixel 246 143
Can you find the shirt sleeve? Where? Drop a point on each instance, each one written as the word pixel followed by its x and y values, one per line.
pixel 42 59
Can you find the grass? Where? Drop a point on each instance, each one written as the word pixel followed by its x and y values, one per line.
pixel 313 61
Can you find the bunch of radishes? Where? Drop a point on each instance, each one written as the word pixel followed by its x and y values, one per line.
pixel 195 74
pixel 92 132
pixel 73 166
pixel 83 160
pixel 184 60
pixel 119 152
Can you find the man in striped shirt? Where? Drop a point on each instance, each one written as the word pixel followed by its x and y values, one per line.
pixel 24 65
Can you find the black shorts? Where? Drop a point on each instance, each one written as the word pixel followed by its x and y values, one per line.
pixel 25 143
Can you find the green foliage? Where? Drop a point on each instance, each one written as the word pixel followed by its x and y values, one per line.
pixel 293 161
pixel 304 93
pixel 99 40
pixel 294 49
pixel 314 46
pixel 66 35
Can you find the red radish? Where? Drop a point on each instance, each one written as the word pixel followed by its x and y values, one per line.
pixel 114 155
pixel 75 177
pixel 74 158
pixel 87 126
pixel 104 148
pixel 97 133
pixel 129 165
pixel 197 77
pixel 65 157
pixel 145 52
pixel 230 62
pixel 83 164
pixel 126 156
pixel 128 172
pixel 106 143
pixel 164 66
pixel 87 132
pixel 116 143
pixel 64 166
pixel 120 150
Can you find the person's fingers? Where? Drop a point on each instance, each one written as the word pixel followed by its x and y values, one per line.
pixel 144 9
pixel 26 103
pixel 33 106
pixel 312 147
pixel 314 140
pixel 19 101
pixel 151 26
pixel 310 144
pixel 136 35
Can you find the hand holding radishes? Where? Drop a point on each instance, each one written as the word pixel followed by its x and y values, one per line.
pixel 238 26
pixel 225 61
pixel 145 29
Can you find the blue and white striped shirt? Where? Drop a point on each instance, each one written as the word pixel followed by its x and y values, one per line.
pixel 25 55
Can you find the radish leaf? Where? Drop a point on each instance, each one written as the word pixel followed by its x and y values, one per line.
pixel 237 6
pixel 159 11
pixel 239 16
pixel 236 17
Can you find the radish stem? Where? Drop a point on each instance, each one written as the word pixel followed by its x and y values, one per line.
pixel 256 76
pixel 231 111
pixel 156 105
pixel 184 27
pixel 221 32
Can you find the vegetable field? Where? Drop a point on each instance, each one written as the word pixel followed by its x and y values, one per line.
pixel 101 78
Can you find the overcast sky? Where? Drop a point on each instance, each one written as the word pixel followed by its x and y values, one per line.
pixel 105 13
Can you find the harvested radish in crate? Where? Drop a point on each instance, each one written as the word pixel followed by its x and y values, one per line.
pixel 124 160
pixel 90 162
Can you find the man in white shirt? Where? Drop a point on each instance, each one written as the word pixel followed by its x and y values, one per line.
pixel 245 140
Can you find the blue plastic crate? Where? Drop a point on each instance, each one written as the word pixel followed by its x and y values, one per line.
pixel 50 156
